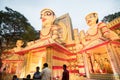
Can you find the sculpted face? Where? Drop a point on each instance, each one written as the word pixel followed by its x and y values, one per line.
pixel 19 43
pixel 91 19
pixel 47 17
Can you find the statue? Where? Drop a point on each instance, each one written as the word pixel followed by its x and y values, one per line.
pixel 48 17
pixel 107 66
pixel 52 30
pixel 18 48
pixel 96 67
pixel 19 45
pixel 97 32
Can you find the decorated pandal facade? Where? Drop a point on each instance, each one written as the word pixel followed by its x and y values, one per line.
pixel 94 54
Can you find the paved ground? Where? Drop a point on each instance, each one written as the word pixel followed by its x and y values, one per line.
pixel 83 78
pixel 87 79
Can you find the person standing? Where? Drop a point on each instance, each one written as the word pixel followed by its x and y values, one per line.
pixel 46 72
pixel 15 77
pixel 28 77
pixel 37 74
pixel 65 75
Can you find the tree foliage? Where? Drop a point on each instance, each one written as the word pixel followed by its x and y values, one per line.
pixel 14 26
pixel 110 17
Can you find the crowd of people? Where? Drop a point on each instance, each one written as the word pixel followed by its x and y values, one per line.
pixel 45 74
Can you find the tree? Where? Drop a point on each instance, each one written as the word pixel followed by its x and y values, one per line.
pixel 110 17
pixel 14 26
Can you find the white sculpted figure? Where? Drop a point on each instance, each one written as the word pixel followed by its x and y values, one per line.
pixel 50 30
pixel 47 17
pixel 97 32
pixel 14 56
pixel 19 45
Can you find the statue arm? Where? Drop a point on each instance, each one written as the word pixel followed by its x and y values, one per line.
pixel 55 32
pixel 107 33
pixel 64 31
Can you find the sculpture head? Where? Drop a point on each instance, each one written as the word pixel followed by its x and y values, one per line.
pixel 91 19
pixel 47 17
pixel 19 43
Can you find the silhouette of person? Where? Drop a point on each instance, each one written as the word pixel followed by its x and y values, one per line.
pixel 28 76
pixel 15 77
pixel 37 74
pixel 65 75
pixel 46 72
